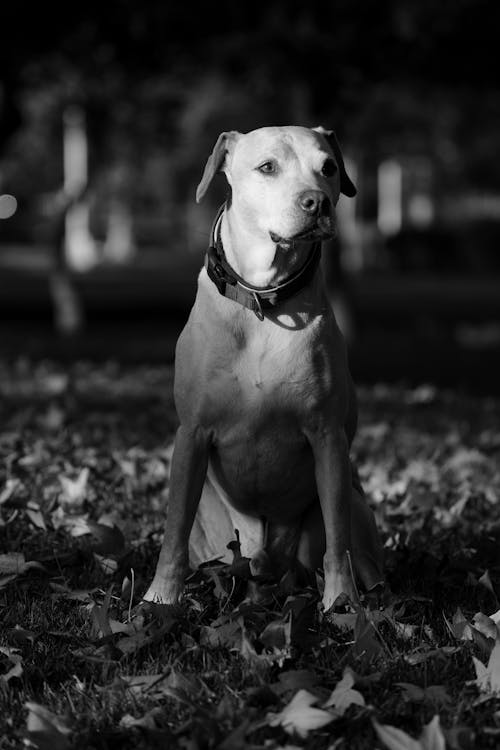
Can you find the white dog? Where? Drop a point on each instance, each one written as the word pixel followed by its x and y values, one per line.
pixel 265 400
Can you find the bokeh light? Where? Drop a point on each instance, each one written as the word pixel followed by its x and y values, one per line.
pixel 8 206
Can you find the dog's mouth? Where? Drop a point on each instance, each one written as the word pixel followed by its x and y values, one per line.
pixel 318 232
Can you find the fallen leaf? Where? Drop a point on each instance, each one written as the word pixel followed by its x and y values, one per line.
pixel 74 491
pixel 432 737
pixel 15 671
pixel 11 487
pixel 460 627
pixel 343 695
pixel 411 692
pixel 496 617
pixel 15 659
pixel 100 616
pixel 366 644
pixel 80 595
pixel 219 591
pixel 143 637
pixel 247 651
pixel 151 720
pixel 228 635
pixel 488 677
pixel 277 634
pixel 420 656
pixel 46 730
pixel 460 737
pixel 108 565
pixel 14 564
pixel 106 539
pixel 485 625
pixel 138 684
pixel 344 620
pixel 34 513
pixel 300 716
pixel 406 630
pixel 178 681
pixel 156 686
pixel 463 630
pixel 436 694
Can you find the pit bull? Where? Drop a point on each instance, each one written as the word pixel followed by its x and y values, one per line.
pixel 265 400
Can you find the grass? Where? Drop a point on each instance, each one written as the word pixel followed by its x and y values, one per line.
pixel 83 477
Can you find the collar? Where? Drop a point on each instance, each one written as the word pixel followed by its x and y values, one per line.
pixel 257 299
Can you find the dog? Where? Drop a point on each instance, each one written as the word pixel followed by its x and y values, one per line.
pixel 265 400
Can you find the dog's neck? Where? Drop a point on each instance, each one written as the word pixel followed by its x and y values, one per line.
pixel 257 259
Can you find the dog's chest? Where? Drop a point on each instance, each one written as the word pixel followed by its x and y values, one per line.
pixel 257 406
pixel 269 370
pixel 262 364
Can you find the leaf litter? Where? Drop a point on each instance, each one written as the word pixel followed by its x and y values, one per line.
pixel 86 456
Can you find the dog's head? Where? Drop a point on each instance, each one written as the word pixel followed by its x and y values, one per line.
pixel 285 181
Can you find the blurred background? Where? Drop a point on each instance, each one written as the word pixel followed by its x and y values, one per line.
pixel 108 111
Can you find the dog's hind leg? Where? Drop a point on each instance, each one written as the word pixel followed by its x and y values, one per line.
pixel 214 528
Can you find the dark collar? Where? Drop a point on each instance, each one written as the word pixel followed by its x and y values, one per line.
pixel 255 298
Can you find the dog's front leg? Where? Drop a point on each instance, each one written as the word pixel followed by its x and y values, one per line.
pixel 189 468
pixel 333 480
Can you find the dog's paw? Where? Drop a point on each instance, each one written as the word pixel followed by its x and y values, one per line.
pixel 339 591
pixel 342 604
pixel 161 592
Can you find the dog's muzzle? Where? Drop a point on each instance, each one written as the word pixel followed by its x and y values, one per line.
pixel 320 230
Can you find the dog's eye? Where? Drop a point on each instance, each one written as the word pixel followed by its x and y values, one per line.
pixel 329 168
pixel 268 167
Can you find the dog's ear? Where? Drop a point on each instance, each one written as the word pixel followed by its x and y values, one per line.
pixel 215 161
pixel 346 185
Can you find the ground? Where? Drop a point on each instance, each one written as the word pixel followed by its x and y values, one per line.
pixel 85 454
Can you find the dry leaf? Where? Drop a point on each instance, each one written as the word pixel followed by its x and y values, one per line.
pixel 100 616
pixel 107 564
pixel 343 694
pixel 496 617
pixel 488 677
pixel 14 564
pixel 45 729
pixel 151 720
pixel 485 625
pixel 15 659
pixel 460 627
pixel 419 656
pixel 432 737
pixel 366 644
pixel 74 491
pixel 278 633
pixel 11 487
pixel 433 693
pixel 34 513
pixel 300 716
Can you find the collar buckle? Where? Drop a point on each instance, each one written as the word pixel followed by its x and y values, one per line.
pixel 215 270
pixel 258 308
pixel 218 277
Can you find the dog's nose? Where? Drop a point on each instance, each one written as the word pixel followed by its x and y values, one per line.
pixel 313 201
